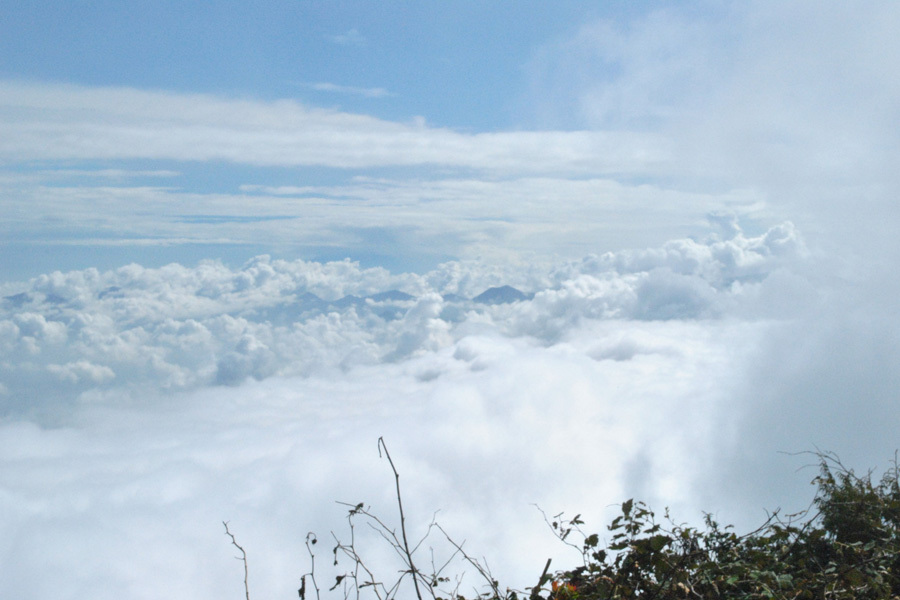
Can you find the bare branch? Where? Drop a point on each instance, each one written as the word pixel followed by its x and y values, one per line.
pixel 483 570
pixel 350 552
pixel 409 559
pixel 242 557
pixel 311 540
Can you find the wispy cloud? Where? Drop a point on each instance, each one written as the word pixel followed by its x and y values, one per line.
pixel 746 90
pixel 60 122
pixel 351 37
pixel 346 89
pixel 109 173
pixel 464 217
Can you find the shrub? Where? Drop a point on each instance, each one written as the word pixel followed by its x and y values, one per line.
pixel 845 546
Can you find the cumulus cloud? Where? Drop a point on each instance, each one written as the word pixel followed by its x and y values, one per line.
pixel 721 262
pixel 82 370
pixel 178 327
pixel 145 405
pixel 481 427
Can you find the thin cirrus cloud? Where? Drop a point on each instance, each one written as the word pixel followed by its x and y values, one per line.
pixel 54 122
pixel 503 219
pixel 348 89
pixel 351 37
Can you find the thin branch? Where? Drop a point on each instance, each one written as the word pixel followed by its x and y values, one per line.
pixel 409 559
pixel 427 531
pixel 484 571
pixel 350 552
pixel 311 539
pixel 242 557
pixel 556 527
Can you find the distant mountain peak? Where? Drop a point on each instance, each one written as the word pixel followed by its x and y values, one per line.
pixel 505 294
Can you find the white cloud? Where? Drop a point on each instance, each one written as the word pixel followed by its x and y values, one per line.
pixel 323 86
pixel 109 173
pixel 796 102
pixel 37 327
pixel 143 489
pixel 351 37
pixel 142 406
pixel 81 371
pixel 64 122
pixel 175 327
pixel 721 262
pixel 500 220
pixel 613 75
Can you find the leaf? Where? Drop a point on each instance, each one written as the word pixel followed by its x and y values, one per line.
pixel 658 542
pixel 337 582
pixel 626 507
pixel 855 577
pixel 785 581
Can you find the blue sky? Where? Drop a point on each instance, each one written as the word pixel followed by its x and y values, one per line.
pixel 207 211
pixel 460 64
pixel 460 92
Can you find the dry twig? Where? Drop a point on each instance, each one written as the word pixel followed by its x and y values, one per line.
pixel 242 557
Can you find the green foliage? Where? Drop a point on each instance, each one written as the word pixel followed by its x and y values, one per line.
pixel 847 547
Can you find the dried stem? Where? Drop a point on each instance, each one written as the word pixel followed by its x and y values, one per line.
pixel 483 570
pixel 406 550
pixel 311 540
pixel 242 557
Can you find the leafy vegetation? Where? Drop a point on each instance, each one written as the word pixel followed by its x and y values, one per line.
pixel 846 545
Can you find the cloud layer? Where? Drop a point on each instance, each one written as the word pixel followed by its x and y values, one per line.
pixel 143 406
pixel 40 121
pixel 178 327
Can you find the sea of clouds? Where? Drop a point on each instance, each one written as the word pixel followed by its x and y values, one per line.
pixel 140 407
pixel 86 334
pixel 144 406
